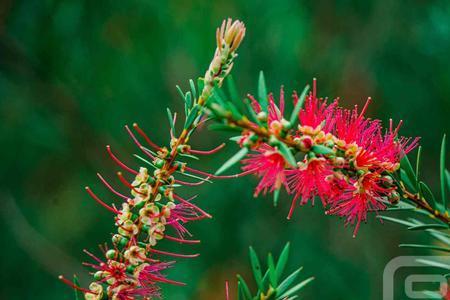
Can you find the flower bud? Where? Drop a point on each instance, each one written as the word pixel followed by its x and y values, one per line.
pixel 111 254
pixel 394 197
pixel 304 142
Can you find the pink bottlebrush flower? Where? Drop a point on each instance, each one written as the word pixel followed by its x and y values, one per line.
pixel 352 127
pixel 308 181
pixel 316 112
pixel 268 164
pixel 366 194
pixel 150 274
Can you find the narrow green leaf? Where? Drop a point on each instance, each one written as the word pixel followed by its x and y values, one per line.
pixel 256 267
pixel 434 263
pixel 234 159
pixel 323 150
pixel 262 91
pixel 287 154
pixel 224 127
pixel 419 152
pixel 272 271
pixel 188 156
pixel 428 226
pixel 245 290
pixel 298 106
pixel 447 176
pixel 405 164
pixel 430 247
pixel 180 91
pixel 288 281
pixel 144 160
pixel 188 99
pixel 282 260
pixel 171 122
pixel 78 294
pixel 193 114
pixel 297 288
pixel 276 197
pixel 405 179
pixel 442 173
pixel 232 90
pixel 193 89
pixel 395 220
pixel 252 113
pixel 427 193
pixel 200 86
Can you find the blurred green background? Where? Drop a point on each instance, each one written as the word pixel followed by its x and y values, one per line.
pixel 72 73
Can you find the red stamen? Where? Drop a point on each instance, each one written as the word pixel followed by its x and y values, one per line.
pixel 215 150
pixel 127 184
pixel 314 87
pixel 169 281
pixel 117 161
pixel 135 140
pixel 227 294
pixel 74 286
pixel 110 187
pixel 291 210
pixel 101 202
pixel 189 183
pixel 363 111
pixel 147 139
pixel 93 256
pixel 174 254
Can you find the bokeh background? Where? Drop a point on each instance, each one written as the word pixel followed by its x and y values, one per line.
pixel 73 72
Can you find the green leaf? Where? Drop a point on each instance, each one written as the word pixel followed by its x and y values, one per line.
pixel 430 247
pixel 244 287
pixel 395 220
pixel 286 283
pixel 232 90
pixel 323 150
pixel 224 127
pixel 192 116
pixel 287 154
pixel 296 288
pixel 256 267
pixel 427 193
pixel 200 85
pixel 298 106
pixel 405 165
pixel 272 271
pixel 434 263
pixel 282 260
pixel 180 91
pixel 78 293
pixel 253 115
pixel 405 179
pixel 442 173
pixel 276 196
pixel 171 122
pixel 419 152
pixel 193 90
pixel 428 226
pixel 447 175
pixel 262 92
pixel 234 159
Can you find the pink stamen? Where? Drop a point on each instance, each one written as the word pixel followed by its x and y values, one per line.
pixel 215 150
pixel 117 161
pixel 192 205
pixel 363 111
pixel 227 294
pixel 293 204
pixel 110 187
pixel 135 140
pixel 174 254
pixel 314 87
pixel 93 196
pixel 181 240
pixel 189 183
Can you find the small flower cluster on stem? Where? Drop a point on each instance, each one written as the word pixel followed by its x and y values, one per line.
pixel 132 268
pixel 322 150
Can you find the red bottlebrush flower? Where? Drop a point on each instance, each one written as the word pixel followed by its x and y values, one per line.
pixel 150 274
pixel 366 194
pixel 270 166
pixel 308 181
pixel 316 112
